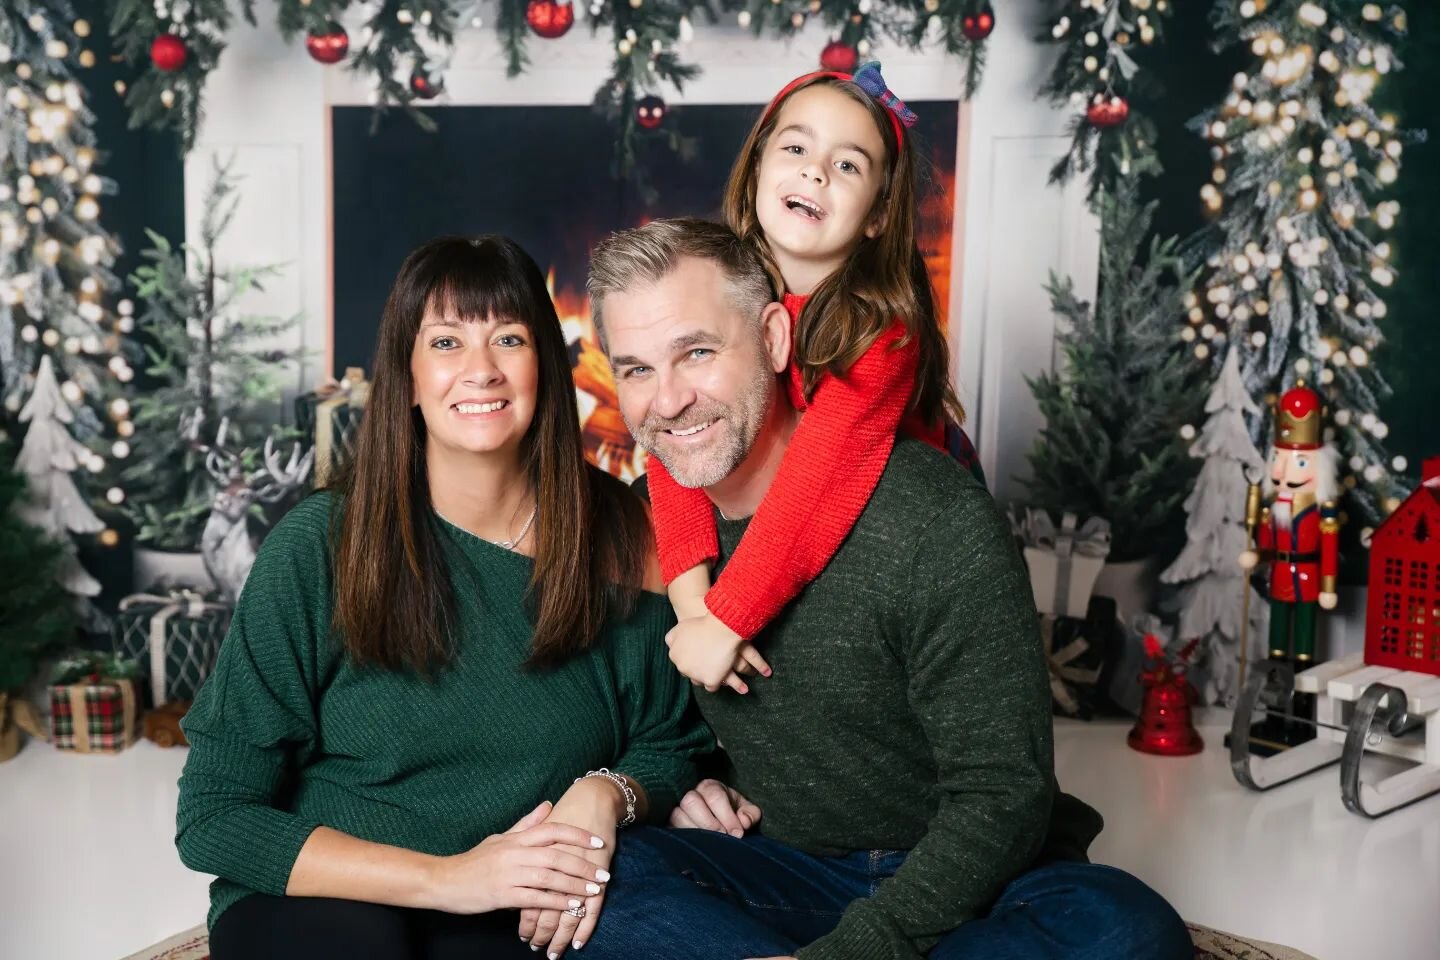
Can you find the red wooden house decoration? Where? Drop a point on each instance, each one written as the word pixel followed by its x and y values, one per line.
pixel 1402 617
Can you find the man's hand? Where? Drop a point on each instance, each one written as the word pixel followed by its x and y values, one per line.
pixel 712 655
pixel 714 806
pixel 1328 601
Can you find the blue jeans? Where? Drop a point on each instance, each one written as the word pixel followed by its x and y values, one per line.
pixel 708 896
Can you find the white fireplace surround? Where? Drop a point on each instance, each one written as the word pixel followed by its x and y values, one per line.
pixel 267 106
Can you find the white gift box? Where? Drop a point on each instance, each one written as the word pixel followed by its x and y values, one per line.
pixel 1064 562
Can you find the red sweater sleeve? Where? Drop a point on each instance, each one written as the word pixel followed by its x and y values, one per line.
pixel 684 522
pixel 830 469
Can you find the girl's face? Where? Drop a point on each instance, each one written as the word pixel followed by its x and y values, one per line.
pixel 818 178
pixel 475 383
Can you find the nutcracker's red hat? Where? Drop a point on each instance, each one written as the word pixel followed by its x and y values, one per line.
pixel 1297 419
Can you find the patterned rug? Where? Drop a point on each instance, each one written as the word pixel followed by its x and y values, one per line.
pixel 1209 945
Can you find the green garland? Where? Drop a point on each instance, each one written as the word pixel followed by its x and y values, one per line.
pixel 1095 74
pixel 403 39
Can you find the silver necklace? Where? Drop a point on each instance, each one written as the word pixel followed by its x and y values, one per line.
pixel 512 544
pixel 502 544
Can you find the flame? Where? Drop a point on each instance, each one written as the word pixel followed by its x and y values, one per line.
pixel 933 232
pixel 607 440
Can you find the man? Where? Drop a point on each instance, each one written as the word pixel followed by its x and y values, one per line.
pixel 901 752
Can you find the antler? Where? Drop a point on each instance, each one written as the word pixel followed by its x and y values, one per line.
pixel 220 463
pixel 273 481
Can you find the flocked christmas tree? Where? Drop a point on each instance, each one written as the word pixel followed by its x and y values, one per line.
pixel 1298 275
pixel 54 254
pixel 55 274
pixel 1216 598
pixel 208 361
pixel 49 456
pixel 1111 443
pixel 35 619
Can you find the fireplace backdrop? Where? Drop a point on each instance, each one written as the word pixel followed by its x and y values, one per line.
pixel 541 176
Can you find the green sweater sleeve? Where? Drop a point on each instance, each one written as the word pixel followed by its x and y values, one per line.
pixel 254 716
pixel 977 681
pixel 664 731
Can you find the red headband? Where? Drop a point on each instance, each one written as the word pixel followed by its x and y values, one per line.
pixel 895 123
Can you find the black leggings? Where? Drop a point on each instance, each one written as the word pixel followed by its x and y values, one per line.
pixel 320 928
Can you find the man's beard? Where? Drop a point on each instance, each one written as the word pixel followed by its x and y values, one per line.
pixel 737 424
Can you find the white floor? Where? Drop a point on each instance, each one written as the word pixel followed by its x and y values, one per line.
pixel 88 870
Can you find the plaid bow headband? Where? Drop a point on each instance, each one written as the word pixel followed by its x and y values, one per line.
pixel 867 78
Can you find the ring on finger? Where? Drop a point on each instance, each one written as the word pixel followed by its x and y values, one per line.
pixel 577 912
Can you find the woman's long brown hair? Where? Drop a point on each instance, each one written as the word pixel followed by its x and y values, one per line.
pixel 884 279
pixel 394 604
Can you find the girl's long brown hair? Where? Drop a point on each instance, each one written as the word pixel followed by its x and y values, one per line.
pixel 394 604
pixel 884 279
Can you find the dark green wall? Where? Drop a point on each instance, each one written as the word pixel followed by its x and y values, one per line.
pixel 149 174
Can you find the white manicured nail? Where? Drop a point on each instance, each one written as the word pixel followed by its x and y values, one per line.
pixel 574 904
pixel 577 944
pixel 592 888
pixel 602 875
pixel 596 842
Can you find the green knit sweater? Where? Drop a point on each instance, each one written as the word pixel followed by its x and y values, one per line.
pixel 909 710
pixel 287 734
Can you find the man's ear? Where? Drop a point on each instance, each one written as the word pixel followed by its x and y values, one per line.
pixel 775 320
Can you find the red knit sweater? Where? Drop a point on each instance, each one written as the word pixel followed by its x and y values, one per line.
pixel 831 467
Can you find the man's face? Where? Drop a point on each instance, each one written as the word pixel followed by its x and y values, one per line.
pixel 695 379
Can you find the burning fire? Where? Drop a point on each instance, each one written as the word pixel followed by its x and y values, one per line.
pixel 608 443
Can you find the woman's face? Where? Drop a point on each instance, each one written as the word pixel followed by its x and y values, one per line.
pixel 475 382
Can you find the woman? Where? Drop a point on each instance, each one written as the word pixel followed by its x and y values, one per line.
pixel 425 656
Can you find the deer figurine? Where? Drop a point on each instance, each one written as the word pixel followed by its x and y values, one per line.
pixel 225 542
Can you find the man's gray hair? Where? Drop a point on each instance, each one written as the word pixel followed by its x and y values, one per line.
pixel 648 254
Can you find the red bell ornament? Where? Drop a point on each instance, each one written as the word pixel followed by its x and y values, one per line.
pixel 1166 726
pixel 839 56
pixel 329 45
pixel 1106 112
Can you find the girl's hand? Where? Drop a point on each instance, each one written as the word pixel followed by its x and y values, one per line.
pixel 534 864
pixel 712 655
pixel 714 806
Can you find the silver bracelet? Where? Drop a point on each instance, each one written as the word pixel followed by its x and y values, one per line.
pixel 624 786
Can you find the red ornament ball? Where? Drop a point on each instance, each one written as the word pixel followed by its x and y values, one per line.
pixel 840 57
pixel 329 46
pixel 168 53
pixel 1106 112
pixel 550 19
pixel 425 86
pixel 978 25
pixel 650 112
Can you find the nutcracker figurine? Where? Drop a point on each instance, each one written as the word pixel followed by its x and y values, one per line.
pixel 1298 536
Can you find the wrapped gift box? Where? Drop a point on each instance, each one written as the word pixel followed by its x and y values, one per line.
pixel 174 638
pixel 330 416
pixel 93 705
pixel 1064 560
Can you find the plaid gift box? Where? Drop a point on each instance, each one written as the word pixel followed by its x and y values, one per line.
pixel 330 416
pixel 92 708
pixel 175 638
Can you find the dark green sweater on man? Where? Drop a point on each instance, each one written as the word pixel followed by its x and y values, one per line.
pixel 288 735
pixel 909 710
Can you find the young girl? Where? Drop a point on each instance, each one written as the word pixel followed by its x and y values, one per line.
pixel 824 189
